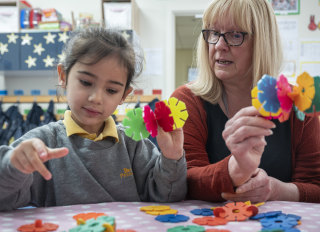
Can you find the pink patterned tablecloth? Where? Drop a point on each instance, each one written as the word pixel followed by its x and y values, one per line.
pixel 129 216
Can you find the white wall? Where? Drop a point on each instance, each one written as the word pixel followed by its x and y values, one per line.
pixel 293 43
pixel 184 61
pixel 156 31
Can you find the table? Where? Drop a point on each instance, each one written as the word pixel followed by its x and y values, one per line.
pixel 129 216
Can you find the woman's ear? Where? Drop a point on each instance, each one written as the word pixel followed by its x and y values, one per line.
pixel 126 93
pixel 62 76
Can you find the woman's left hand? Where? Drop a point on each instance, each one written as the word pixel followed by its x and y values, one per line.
pixel 171 143
pixel 259 188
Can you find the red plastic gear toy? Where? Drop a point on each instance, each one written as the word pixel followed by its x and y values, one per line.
pixel 150 121
pixel 163 116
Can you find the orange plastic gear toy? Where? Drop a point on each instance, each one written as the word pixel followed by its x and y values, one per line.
pixel 210 221
pixel 82 217
pixel 38 226
pixel 236 211
pixel 303 94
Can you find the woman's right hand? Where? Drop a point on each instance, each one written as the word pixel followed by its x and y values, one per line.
pixel 30 155
pixel 244 135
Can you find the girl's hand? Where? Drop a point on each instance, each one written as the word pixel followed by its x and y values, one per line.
pixel 259 188
pixel 30 155
pixel 171 143
pixel 244 135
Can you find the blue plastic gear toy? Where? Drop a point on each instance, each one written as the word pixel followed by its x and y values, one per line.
pixel 172 218
pixel 268 95
pixel 202 212
pixel 279 222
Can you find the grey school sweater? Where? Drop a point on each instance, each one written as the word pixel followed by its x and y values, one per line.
pixel 92 172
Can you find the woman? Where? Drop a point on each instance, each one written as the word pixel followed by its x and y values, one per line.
pixel 232 153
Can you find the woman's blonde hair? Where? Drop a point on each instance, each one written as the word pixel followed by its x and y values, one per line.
pixel 256 17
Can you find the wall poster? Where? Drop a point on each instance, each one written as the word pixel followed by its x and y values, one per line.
pixel 286 7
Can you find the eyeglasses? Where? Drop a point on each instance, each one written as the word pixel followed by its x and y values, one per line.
pixel 232 38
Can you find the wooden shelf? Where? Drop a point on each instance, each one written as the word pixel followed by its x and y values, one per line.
pixel 141 98
pixel 30 99
pixel 62 99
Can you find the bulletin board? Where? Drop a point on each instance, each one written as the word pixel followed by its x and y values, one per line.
pixel 300 34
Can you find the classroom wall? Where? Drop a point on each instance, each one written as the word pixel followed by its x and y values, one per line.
pixel 156 34
pixel 301 45
pixel 184 61
pixel 157 31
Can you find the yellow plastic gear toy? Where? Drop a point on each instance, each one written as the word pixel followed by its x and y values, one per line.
pixel 178 111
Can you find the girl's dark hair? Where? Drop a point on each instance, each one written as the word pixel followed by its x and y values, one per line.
pixel 90 45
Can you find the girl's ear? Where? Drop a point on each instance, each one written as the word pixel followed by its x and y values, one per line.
pixel 126 93
pixel 62 76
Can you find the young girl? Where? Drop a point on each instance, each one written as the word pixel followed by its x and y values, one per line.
pixel 86 158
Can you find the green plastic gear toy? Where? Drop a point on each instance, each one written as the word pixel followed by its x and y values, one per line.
pixel 136 128
pixel 101 224
pixel 190 228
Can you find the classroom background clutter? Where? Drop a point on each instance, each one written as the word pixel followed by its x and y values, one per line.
pixel 32 34
pixel 175 182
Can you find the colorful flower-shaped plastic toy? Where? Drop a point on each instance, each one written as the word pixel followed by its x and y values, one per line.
pixel 304 98
pixel 82 217
pixel 279 222
pixel 38 226
pixel 303 94
pixel 258 105
pixel 190 228
pixel 172 218
pixel 314 109
pixel 267 214
pixel 178 111
pixel 283 89
pixel 267 94
pixel 202 212
pixel 150 121
pixel 169 115
pixel 163 116
pixel 158 209
pixel 210 221
pixel 236 211
pixel 100 224
pixel 135 127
